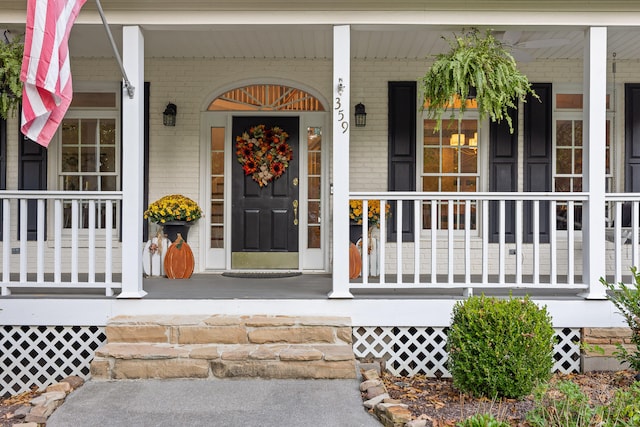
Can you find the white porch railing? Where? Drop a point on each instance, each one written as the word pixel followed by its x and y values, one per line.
pixel 624 232
pixel 452 247
pixel 72 245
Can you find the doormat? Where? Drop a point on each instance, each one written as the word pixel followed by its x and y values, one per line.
pixel 270 275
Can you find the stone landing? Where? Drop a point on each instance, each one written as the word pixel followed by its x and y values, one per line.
pixel 225 346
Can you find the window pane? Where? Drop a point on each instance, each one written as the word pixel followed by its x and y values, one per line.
pixel 313 237
pixel 314 139
pixel 108 183
pixel 217 212
pixel 578 133
pixel 577 185
pixel 431 137
pixel 217 139
pixel 314 213
pixel 107 132
pixel 314 163
pixel 69 159
pixel 88 162
pixel 217 236
pixel 449 160
pixel 564 133
pixel 578 161
pixel 217 187
pixel 430 183
pixel 431 159
pixel 314 187
pixel 217 163
pixel 468 183
pixel 107 159
pixel 563 161
pixel 468 160
pixel 571 101
pixel 71 183
pixel 70 131
pixel 88 131
pixel 563 184
pixel 449 183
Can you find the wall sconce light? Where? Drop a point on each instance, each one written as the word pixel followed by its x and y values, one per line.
pixel 457 139
pixel 169 115
pixel 361 115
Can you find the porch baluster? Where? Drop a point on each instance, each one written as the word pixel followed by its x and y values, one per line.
pixel 485 241
pixel 57 251
pixel 23 239
pixel 383 240
pixel 365 241
pixel 6 245
pixel 108 235
pixel 501 243
pixel 399 241
pixel 416 240
pixel 92 242
pixel 40 268
pixel 467 243
pixel 451 218
pixel 74 240
pixel 617 241
pixel 553 246
pixel 518 237
pixel 570 243
pixel 434 241
pixel 634 232
pixel 536 241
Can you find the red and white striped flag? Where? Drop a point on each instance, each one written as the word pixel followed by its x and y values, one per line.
pixel 45 67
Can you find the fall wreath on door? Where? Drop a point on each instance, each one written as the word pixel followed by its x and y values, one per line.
pixel 264 153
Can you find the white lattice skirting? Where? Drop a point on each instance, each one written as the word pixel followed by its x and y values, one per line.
pixel 41 355
pixel 421 350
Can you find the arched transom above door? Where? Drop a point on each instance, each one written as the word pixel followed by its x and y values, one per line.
pixel 266 97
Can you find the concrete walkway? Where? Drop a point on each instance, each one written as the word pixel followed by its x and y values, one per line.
pixel 225 402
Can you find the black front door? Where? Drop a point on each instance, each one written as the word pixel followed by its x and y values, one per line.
pixel 264 223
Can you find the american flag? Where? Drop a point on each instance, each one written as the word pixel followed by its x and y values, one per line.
pixel 45 67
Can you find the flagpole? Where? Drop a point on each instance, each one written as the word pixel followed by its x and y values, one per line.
pixel 127 83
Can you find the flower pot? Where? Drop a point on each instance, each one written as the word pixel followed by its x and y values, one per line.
pixel 172 228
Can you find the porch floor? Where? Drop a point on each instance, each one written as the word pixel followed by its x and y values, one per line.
pixel 211 286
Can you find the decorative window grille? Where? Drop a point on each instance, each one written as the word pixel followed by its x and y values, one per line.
pixel 38 356
pixel 408 351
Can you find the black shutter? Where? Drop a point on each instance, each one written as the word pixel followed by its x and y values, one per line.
pixel 3 163
pixel 145 191
pixel 537 156
pixel 32 175
pixel 632 139
pixel 503 174
pixel 402 153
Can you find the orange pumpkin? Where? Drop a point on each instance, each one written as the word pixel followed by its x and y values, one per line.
pixel 179 261
pixel 355 262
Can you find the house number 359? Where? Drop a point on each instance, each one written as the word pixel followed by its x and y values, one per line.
pixel 344 123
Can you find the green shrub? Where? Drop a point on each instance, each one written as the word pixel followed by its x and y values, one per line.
pixel 627 300
pixel 482 420
pixel 560 405
pixel 499 347
pixel 624 410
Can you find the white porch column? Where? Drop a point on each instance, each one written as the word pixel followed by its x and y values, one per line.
pixel 132 161
pixel 593 160
pixel 341 122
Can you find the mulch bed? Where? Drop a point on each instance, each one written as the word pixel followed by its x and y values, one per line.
pixel 438 402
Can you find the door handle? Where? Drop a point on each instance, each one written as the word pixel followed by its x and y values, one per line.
pixel 295 212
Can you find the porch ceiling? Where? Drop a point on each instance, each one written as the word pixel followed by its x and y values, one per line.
pixel 315 42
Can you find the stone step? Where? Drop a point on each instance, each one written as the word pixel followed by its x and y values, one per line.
pixel 225 346
pixel 228 329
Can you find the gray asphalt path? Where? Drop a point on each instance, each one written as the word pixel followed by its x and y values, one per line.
pixel 228 402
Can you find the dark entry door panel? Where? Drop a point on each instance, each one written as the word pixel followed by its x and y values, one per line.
pixel 264 219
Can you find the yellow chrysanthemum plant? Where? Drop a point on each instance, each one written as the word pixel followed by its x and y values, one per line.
pixel 174 207
pixel 373 208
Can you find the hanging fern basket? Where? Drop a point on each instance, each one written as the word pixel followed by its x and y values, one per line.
pixel 479 64
pixel 10 85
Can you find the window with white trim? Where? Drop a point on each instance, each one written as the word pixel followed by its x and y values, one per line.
pixel 568 149
pixel 89 151
pixel 450 164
